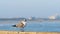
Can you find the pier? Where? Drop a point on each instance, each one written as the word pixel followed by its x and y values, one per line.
pixel 15 32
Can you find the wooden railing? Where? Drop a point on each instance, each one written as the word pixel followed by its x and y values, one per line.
pixel 14 32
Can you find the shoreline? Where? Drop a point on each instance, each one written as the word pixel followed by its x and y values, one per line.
pixel 16 32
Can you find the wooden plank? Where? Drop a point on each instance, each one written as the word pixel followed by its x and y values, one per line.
pixel 15 32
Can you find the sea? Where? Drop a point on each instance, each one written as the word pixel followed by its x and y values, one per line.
pixel 31 26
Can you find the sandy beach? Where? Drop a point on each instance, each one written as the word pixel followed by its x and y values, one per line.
pixel 15 32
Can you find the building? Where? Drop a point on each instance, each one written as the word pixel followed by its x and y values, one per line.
pixel 55 17
pixel 58 17
pixel 52 17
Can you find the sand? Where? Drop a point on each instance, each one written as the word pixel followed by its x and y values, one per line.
pixel 15 32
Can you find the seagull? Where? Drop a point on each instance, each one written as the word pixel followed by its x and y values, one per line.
pixel 21 24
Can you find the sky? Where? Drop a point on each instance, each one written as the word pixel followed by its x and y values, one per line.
pixel 28 8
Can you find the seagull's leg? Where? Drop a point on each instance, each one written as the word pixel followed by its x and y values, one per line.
pixel 22 29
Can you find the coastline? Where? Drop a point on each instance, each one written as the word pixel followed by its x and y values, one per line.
pixel 15 32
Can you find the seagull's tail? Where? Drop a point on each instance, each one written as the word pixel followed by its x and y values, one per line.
pixel 13 25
